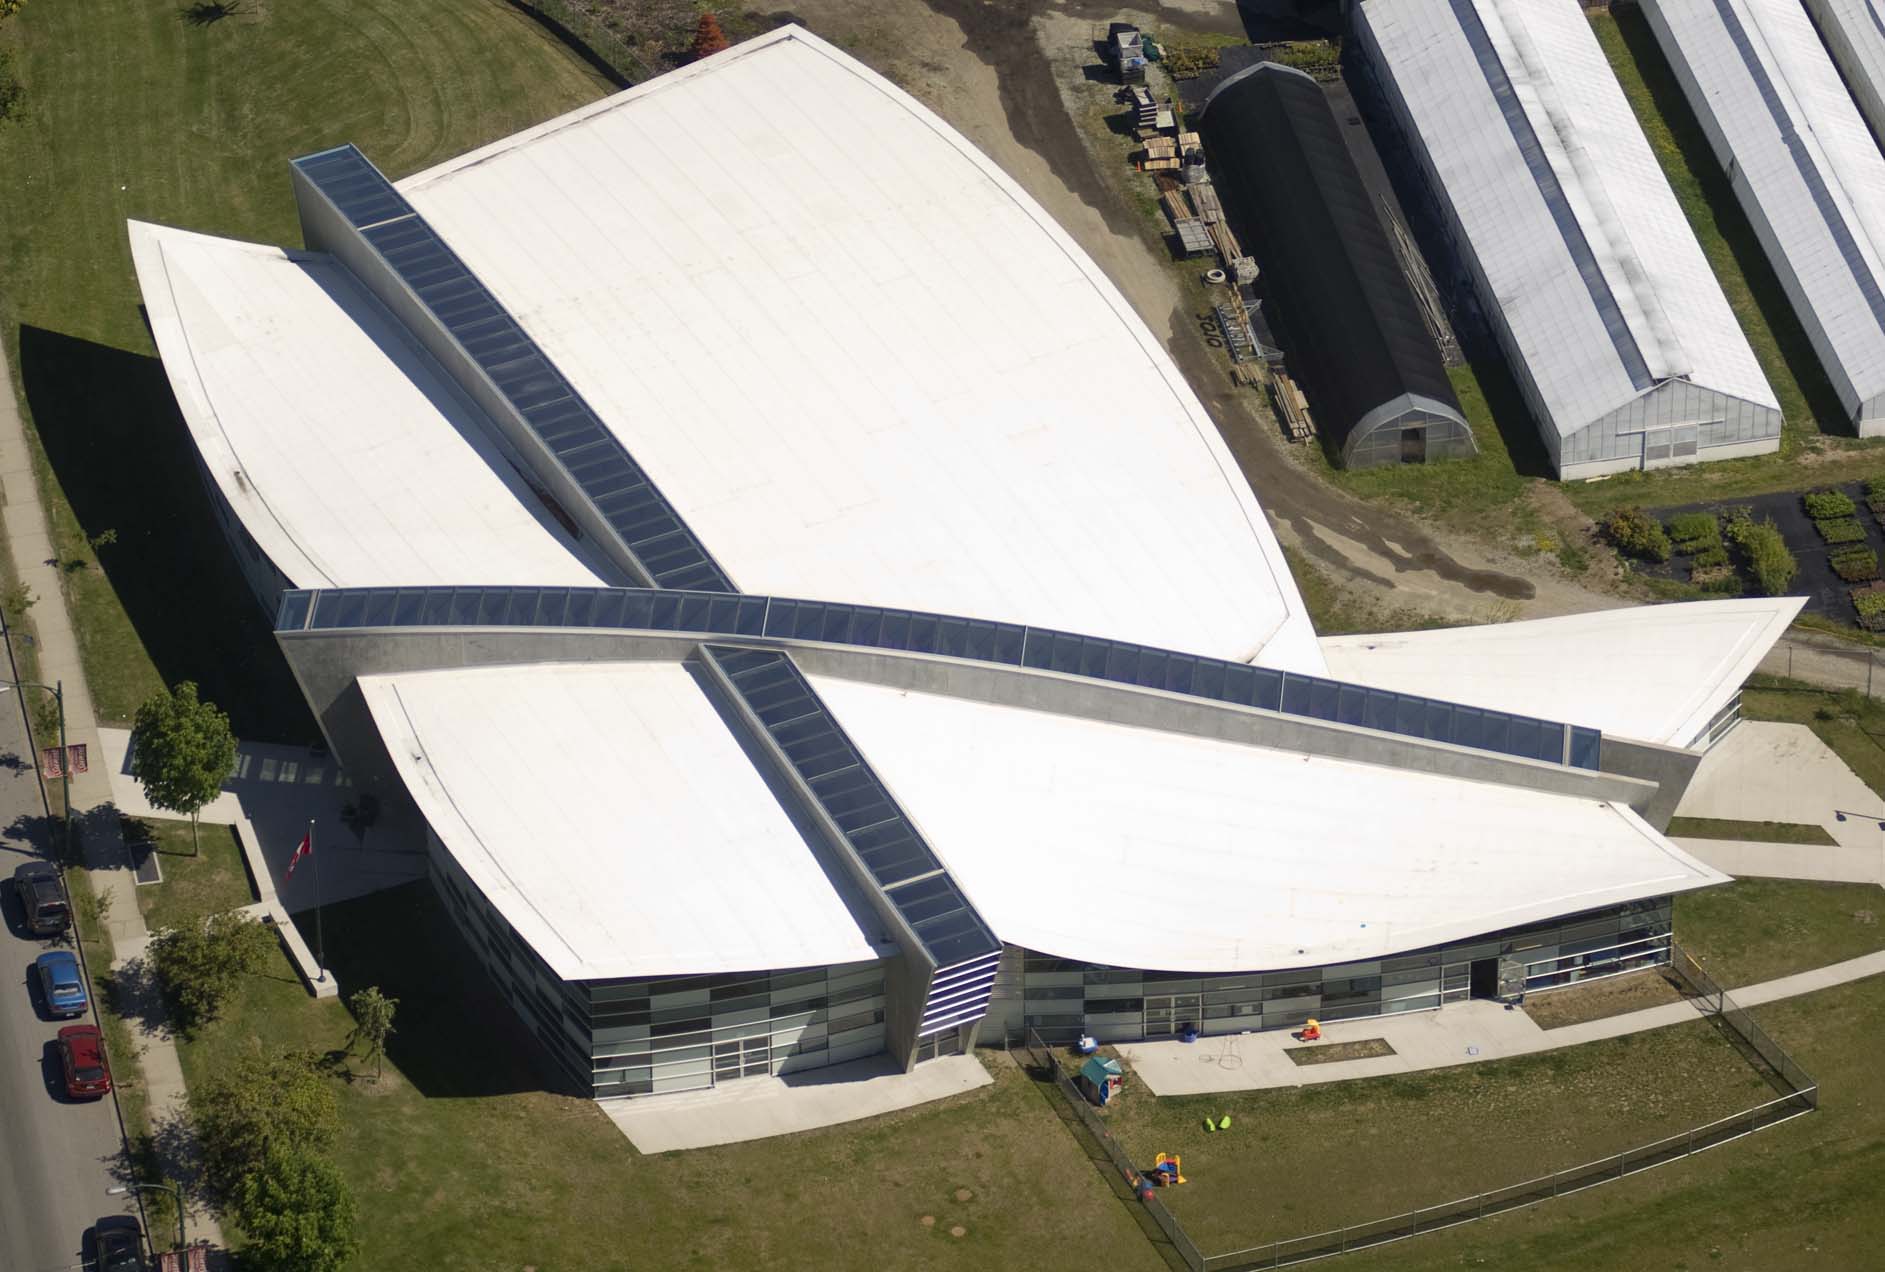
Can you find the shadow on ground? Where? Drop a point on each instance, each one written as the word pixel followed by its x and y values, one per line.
pixel 121 454
pixel 454 1034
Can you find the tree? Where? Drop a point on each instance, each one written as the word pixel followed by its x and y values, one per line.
pixel 259 1102
pixel 708 37
pixel 184 752
pixel 372 1022
pixel 298 1213
pixel 199 964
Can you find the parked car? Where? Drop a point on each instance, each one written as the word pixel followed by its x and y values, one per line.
pixel 61 983
pixel 118 1245
pixel 82 1056
pixel 42 900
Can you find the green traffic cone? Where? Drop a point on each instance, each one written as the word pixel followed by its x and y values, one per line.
pixel 1209 1125
pixel 1225 1124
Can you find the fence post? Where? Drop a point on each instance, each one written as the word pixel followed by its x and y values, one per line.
pixel 1690 1151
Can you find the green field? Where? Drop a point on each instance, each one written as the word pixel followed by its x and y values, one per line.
pixel 1755 930
pixel 134 110
pixel 459 1161
pixel 1765 832
pixel 1804 1194
pixel 1303 1160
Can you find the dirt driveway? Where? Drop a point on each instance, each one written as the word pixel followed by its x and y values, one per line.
pixel 986 68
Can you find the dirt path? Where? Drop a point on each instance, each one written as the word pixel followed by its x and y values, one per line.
pixel 987 69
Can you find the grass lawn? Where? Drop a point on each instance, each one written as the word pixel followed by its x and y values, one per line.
pixel 1804 1194
pixel 209 883
pixel 135 111
pixel 1754 930
pixel 1303 1160
pixel 1759 831
pixel 457 1160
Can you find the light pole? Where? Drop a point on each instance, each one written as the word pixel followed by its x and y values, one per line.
pixel 175 1192
pixel 1843 815
pixel 65 755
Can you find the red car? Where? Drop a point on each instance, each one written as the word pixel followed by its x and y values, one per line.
pixel 82 1053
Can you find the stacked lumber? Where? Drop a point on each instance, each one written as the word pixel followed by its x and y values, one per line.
pixel 1210 210
pixel 1293 407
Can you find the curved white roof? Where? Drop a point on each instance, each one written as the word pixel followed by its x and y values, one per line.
pixel 862 363
pixel 342 450
pixel 1785 126
pixel 1136 848
pixel 611 817
pixel 1655 673
pixel 1614 295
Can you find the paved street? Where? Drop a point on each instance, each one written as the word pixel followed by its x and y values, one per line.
pixel 56 1158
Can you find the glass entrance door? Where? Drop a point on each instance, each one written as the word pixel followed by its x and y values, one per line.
pixel 742 1058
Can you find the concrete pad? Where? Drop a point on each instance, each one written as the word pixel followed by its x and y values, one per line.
pixel 1831 864
pixel 270 798
pixel 758 1108
pixel 1764 771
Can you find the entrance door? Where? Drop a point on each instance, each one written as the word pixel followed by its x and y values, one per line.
pixel 742 1058
pixel 1485 978
pixel 946 1043
pixel 1413 446
pixel 1166 1013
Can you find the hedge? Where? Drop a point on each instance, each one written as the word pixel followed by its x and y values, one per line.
pixel 1875 488
pixel 1844 530
pixel 1870 604
pixel 1826 505
pixel 1772 566
pixel 1711 558
pixel 1695 532
pixel 1637 533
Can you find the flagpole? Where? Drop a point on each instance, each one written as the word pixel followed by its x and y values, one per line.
pixel 320 938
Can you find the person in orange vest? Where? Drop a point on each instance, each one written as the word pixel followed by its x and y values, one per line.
pixel 1312 1032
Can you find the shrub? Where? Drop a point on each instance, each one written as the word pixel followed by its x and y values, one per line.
pixel 1855 565
pixel 1723 581
pixel 1827 505
pixel 298 1213
pixel 199 964
pixel 1637 534
pixel 1845 530
pixel 1875 488
pixel 1772 566
pixel 1869 603
pixel 258 1102
pixel 1711 558
pixel 1694 531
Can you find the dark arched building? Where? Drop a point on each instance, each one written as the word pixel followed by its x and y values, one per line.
pixel 1349 321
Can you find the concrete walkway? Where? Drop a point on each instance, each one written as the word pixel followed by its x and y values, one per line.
pixel 757 1108
pixel 1463 1033
pixel 1766 771
pixel 95 816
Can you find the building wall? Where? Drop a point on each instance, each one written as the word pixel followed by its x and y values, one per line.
pixel 265 579
pixel 659 1034
pixel 654 1034
pixel 1062 998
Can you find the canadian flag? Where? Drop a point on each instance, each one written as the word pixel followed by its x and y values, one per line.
pixel 303 849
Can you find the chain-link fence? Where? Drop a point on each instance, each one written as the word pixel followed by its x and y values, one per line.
pixel 583 30
pixel 1827 661
pixel 1041 1057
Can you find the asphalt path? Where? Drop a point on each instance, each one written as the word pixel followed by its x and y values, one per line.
pixel 57 1157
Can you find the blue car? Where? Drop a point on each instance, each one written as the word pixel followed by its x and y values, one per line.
pixel 61 983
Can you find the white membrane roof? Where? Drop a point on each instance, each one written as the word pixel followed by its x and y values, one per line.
pixel 608 813
pixel 1136 848
pixel 1609 296
pixel 1823 194
pixel 862 363
pixel 1655 673
pixel 330 434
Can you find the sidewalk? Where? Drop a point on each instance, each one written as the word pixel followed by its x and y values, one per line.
pixel 96 818
pixel 1461 1033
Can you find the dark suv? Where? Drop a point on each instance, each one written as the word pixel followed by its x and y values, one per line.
pixel 42 900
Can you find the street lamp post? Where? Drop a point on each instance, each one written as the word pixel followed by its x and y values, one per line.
pixel 57 691
pixel 1842 814
pixel 175 1192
